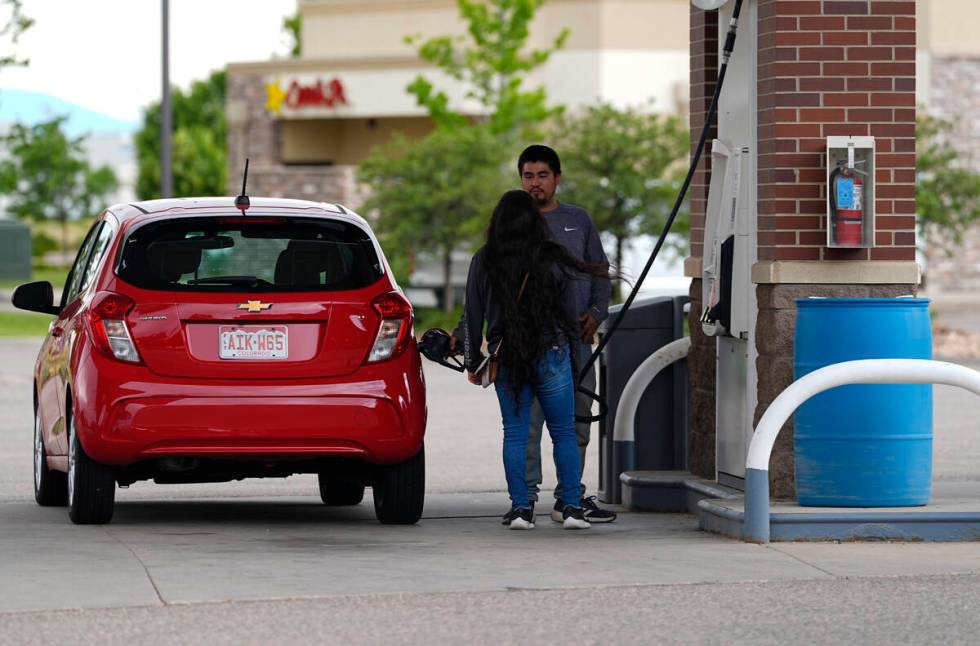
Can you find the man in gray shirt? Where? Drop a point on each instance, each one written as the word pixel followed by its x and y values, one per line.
pixel 540 171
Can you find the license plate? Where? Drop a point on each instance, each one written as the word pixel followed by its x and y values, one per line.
pixel 253 342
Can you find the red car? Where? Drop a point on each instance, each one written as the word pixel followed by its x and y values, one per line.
pixel 196 342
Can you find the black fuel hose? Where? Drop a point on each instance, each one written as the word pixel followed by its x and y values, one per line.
pixel 726 56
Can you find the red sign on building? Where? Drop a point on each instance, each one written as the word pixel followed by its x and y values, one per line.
pixel 327 95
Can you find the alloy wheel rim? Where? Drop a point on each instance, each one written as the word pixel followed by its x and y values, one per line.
pixel 38 453
pixel 71 462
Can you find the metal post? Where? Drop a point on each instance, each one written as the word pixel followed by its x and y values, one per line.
pixel 624 426
pixel 166 116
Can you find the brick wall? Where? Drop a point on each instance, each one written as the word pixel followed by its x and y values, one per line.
pixel 701 357
pixel 834 68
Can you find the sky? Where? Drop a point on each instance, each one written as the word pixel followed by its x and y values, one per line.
pixel 105 54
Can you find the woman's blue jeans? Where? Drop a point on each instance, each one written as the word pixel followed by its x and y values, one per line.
pixel 555 391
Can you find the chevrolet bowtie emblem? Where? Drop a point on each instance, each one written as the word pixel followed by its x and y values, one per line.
pixel 254 306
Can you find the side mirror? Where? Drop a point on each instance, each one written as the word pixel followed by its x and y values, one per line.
pixel 36 297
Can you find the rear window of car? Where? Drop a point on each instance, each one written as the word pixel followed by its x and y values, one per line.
pixel 249 254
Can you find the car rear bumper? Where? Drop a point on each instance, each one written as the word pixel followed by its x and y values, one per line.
pixel 377 416
pixel 362 427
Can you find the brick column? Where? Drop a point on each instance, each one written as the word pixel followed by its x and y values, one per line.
pixel 828 68
pixel 834 68
pixel 701 357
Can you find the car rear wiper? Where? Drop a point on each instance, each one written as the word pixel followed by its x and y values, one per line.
pixel 244 281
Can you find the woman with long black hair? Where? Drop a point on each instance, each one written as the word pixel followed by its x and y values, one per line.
pixel 520 284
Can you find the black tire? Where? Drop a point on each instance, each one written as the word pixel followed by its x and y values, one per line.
pixel 335 492
pixel 399 491
pixel 91 485
pixel 50 486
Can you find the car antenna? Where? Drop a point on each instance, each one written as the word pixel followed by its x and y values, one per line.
pixel 241 202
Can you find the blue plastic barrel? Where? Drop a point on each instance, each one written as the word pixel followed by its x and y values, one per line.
pixel 863 445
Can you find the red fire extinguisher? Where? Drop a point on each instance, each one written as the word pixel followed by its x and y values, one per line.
pixel 846 205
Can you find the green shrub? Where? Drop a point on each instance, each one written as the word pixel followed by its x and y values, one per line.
pixel 42 243
pixel 429 317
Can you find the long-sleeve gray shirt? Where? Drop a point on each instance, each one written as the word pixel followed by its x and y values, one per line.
pixel 483 305
pixel 572 227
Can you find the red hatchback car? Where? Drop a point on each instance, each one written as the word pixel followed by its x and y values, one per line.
pixel 195 342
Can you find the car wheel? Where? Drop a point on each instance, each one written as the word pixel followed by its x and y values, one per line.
pixel 91 485
pixel 50 486
pixel 337 493
pixel 399 491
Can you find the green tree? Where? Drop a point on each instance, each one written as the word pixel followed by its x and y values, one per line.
pixel 491 62
pixel 434 195
pixel 624 167
pixel 947 189
pixel 198 150
pixel 293 28
pixel 14 23
pixel 46 175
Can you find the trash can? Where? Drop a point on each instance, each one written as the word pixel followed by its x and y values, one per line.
pixel 660 437
pixel 863 445
pixel 15 250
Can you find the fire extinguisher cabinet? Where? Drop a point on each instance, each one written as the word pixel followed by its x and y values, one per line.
pixel 850 192
pixel 863 445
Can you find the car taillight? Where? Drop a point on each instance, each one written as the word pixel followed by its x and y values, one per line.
pixel 396 325
pixel 107 324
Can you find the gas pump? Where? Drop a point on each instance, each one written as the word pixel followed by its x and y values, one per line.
pixel 725 272
pixel 729 308
pixel 729 304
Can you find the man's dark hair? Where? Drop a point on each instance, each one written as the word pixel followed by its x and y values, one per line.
pixel 539 153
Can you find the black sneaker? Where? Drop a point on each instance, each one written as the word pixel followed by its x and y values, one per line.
pixel 523 519
pixel 512 514
pixel 595 514
pixel 574 518
pixel 556 512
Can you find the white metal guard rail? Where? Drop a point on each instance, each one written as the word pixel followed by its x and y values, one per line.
pixel 864 371
pixel 629 399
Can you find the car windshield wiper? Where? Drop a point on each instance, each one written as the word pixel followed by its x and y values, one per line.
pixel 245 281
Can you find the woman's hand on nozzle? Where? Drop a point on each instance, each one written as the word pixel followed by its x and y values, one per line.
pixel 474 378
pixel 454 345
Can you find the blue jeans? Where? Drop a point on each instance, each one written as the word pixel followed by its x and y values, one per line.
pixel 555 391
pixel 583 407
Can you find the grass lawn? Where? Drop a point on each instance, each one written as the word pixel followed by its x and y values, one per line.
pixel 54 275
pixel 24 324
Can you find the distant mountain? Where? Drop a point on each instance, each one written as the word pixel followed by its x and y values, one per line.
pixel 34 107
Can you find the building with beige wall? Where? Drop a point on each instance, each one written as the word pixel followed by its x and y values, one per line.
pixel 306 123
pixel 948 75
